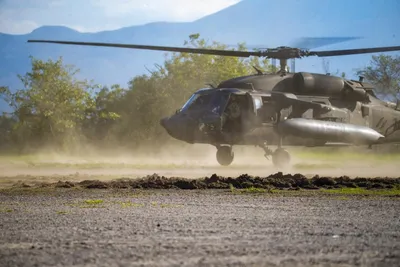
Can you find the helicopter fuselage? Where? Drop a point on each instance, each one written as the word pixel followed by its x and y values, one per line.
pixel 296 109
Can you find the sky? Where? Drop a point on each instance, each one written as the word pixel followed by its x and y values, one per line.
pixel 23 16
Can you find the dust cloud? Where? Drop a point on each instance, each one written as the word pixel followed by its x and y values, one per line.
pixel 194 161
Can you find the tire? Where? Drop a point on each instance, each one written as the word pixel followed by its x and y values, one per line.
pixel 225 155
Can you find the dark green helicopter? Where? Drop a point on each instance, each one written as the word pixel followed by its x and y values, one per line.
pixel 280 109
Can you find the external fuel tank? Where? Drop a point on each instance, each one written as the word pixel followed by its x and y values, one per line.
pixel 328 131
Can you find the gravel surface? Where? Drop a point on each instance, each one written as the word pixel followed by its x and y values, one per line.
pixel 195 227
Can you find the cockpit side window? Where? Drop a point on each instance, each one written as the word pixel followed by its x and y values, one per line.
pixel 200 101
pixel 197 101
pixel 214 101
pixel 219 102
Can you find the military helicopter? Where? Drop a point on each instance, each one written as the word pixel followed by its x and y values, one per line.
pixel 279 109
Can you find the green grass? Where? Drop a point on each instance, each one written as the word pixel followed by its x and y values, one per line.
pixel 62 212
pixel 94 201
pixel 341 193
pixel 6 210
pixel 324 154
pixel 249 190
pixel 89 203
pixel 362 191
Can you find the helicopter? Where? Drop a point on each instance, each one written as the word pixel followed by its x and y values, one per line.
pixel 279 109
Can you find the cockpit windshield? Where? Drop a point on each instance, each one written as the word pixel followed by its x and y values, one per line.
pixel 213 101
pixel 197 100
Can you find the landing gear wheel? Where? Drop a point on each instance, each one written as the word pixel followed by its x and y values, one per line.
pixel 281 158
pixel 225 155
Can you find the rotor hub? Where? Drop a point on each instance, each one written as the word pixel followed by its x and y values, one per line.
pixel 285 52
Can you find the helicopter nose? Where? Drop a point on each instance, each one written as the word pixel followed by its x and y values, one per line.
pixel 177 127
pixel 167 125
pixel 163 122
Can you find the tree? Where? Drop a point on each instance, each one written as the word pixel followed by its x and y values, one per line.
pixel 104 115
pixel 7 123
pixel 52 107
pixel 384 73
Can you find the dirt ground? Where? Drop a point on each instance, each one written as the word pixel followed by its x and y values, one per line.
pixel 196 228
pixel 80 210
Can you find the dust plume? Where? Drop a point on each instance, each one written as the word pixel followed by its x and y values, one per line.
pixel 195 161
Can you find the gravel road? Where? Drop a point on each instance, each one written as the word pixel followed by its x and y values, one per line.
pixel 195 227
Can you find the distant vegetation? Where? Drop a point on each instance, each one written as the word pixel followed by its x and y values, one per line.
pixel 55 109
pixel 384 73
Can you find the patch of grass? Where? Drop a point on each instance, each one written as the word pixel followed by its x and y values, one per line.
pixel 130 204
pixel 6 210
pixel 339 193
pixel 363 191
pixel 249 190
pixel 343 198
pixel 94 201
pixel 89 203
pixel 61 212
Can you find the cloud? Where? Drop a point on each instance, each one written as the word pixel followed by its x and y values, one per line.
pixel 16 27
pixel 97 15
pixel 173 10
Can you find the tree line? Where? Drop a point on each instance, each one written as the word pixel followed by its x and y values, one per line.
pixel 55 109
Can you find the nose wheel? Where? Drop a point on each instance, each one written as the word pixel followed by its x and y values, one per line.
pixel 225 155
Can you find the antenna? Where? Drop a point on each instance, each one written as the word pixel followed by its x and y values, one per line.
pixel 325 66
pixel 212 86
pixel 259 72
pixel 252 87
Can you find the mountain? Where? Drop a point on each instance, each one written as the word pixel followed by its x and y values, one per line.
pixel 257 22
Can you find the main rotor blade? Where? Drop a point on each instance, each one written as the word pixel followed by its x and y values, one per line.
pixel 161 48
pixel 354 51
pixel 304 42
pixel 314 42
